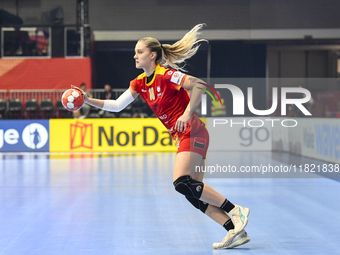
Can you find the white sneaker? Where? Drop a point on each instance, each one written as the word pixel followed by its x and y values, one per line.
pixel 232 240
pixel 239 216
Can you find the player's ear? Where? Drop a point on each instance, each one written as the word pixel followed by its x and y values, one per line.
pixel 153 55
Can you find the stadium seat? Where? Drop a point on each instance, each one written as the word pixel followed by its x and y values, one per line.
pixel 109 115
pixel 31 108
pixel 144 115
pixel 93 115
pixel 125 115
pixel 95 110
pixel 46 108
pixel 2 109
pixel 15 109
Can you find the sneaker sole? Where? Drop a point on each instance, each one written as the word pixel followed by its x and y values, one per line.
pixel 243 241
pixel 233 245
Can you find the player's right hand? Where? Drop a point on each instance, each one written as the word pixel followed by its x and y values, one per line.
pixel 82 92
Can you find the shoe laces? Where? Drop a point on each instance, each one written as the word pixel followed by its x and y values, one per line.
pixel 236 219
pixel 237 216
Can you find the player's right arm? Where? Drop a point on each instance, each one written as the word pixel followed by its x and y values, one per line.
pixel 113 105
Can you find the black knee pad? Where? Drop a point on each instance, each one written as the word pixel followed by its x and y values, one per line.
pixel 189 187
pixel 198 203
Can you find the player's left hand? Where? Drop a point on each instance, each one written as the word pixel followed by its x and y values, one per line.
pixel 182 122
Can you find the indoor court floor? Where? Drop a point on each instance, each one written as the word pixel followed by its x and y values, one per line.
pixel 125 204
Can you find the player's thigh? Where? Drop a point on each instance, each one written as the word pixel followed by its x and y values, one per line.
pixel 186 163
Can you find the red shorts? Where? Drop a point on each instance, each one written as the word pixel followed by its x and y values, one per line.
pixel 198 142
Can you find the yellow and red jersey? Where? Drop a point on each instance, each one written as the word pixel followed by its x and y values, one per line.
pixel 167 99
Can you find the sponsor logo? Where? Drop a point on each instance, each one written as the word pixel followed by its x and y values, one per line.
pixel 81 135
pixel 163 117
pixel 328 140
pixel 151 136
pixel 143 90
pixel 11 136
pixel 170 72
pixel 35 136
pixel 177 77
pixel 158 89
pixel 198 188
pixel 107 135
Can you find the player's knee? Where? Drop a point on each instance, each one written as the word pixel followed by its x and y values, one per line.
pixel 188 186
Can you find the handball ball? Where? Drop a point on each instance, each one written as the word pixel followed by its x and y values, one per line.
pixel 72 99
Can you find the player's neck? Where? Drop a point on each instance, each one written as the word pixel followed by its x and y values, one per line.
pixel 149 71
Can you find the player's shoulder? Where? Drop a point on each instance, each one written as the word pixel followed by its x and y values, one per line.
pixel 136 83
pixel 161 70
pixel 174 76
pixel 171 74
pixel 141 76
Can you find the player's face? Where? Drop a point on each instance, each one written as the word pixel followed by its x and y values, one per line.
pixel 143 56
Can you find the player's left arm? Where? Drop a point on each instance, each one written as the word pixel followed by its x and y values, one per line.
pixel 195 86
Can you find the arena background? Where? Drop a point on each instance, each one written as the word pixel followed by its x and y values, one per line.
pixel 97 160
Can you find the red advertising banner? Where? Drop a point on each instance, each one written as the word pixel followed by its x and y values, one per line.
pixel 54 73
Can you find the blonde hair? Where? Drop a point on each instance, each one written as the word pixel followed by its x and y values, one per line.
pixel 174 55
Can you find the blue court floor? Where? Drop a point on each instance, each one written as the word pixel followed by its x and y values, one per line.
pixel 126 204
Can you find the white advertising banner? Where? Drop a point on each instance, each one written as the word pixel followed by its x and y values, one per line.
pixel 321 139
pixel 240 134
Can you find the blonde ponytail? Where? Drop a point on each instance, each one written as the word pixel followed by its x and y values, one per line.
pixel 174 55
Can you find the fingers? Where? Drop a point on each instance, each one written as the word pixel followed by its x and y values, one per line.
pixel 82 92
pixel 176 126
pixel 75 87
pixel 180 126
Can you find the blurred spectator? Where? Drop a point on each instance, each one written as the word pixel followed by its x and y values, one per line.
pixel 136 115
pixel 108 94
pixel 217 109
pixel 85 109
pixel 83 87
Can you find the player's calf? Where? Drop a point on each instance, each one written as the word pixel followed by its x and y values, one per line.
pixel 200 205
